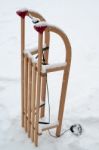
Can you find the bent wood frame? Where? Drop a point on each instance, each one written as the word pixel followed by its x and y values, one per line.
pixel 25 68
pixel 65 74
pixel 33 82
pixel 66 70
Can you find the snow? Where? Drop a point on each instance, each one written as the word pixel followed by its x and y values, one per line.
pixel 23 9
pixel 30 50
pixel 34 49
pixel 79 20
pixel 34 60
pixel 41 24
pixel 31 57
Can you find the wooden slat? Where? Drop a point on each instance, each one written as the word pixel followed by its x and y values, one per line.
pixel 33 93
pixel 22 68
pixel 40 40
pixel 29 96
pixel 25 90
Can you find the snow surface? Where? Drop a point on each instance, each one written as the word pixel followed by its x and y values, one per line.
pixel 80 21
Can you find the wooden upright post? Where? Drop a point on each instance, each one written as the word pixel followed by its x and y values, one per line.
pixel 33 99
pixel 22 67
pixel 62 101
pixel 29 96
pixel 25 90
pixel 43 94
pixel 40 41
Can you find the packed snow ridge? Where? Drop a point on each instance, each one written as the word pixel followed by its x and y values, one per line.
pixel 42 24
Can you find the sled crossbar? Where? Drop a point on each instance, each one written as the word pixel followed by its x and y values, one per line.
pixel 53 67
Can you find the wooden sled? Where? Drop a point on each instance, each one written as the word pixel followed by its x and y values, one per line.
pixel 34 76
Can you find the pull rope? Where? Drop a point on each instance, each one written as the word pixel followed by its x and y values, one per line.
pixel 76 129
pixel 48 122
